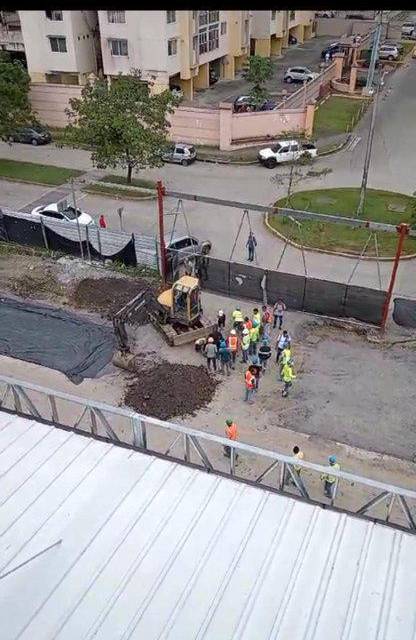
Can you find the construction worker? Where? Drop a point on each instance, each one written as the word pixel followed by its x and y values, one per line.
pixel 285 358
pixel 237 317
pixel 251 245
pixel 245 344
pixel 225 357
pixel 287 376
pixel 256 369
pixel 232 344
pixel 221 319
pixel 328 479
pixel 231 432
pixel 298 455
pixel 101 222
pixel 265 352
pixel 266 320
pixel 247 323
pixel 256 318
pixel 278 312
pixel 283 341
pixel 250 384
pixel 211 354
pixel 254 339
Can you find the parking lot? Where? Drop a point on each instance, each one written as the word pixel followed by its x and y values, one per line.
pixel 306 55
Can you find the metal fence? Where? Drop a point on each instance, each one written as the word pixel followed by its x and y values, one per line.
pixel 88 241
pixel 310 90
pixel 371 499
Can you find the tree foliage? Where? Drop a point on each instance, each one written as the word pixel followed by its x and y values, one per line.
pixel 124 125
pixel 15 109
pixel 258 72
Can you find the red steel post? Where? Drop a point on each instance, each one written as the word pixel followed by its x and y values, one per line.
pixel 403 230
pixel 163 257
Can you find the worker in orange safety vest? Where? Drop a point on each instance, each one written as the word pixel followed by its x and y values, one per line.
pixel 231 432
pixel 232 344
pixel 250 383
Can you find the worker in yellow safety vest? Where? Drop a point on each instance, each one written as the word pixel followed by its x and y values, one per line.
pixel 287 376
pixel 254 339
pixel 237 317
pixel 328 479
pixel 245 344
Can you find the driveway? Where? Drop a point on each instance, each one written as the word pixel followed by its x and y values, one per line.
pixel 306 55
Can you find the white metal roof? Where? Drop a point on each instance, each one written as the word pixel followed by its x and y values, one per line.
pixel 101 541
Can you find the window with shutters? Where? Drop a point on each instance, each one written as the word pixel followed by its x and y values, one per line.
pixel 170 16
pixel 118 47
pixel 54 15
pixel 273 15
pixel 213 37
pixel 116 17
pixel 203 41
pixel 203 18
pixel 58 44
pixel 172 47
pixel 223 28
pixel 214 16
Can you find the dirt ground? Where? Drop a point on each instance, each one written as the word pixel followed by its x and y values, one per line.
pixel 351 397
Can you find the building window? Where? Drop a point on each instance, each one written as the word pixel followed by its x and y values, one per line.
pixel 214 16
pixel 119 47
pixel 203 41
pixel 213 39
pixel 116 17
pixel 54 15
pixel 292 15
pixel 194 15
pixel 273 15
pixel 58 44
pixel 170 16
pixel 203 18
pixel 223 28
pixel 172 47
pixel 246 30
pixel 195 43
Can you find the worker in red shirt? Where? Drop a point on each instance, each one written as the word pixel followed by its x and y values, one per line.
pixel 250 383
pixel 231 432
pixel 102 222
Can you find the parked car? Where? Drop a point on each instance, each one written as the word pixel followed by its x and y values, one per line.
pixel 292 39
pixel 299 74
pixel 184 247
pixel 325 14
pixel 414 52
pixel 284 151
pixel 334 47
pixel 213 76
pixel 245 103
pixel 408 28
pixel 63 213
pixel 35 135
pixel 180 153
pixel 176 91
pixel 390 43
pixel 355 16
pixel 388 52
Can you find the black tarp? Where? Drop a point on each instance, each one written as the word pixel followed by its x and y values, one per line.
pixel 54 338
pixel 323 296
pixel 404 312
pixel 3 232
pixel 23 231
pixel 214 274
pixel 245 281
pixel 288 287
pixel 364 304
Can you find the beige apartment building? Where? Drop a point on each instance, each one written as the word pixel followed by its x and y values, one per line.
pixel 179 48
pixel 270 30
pixel 60 46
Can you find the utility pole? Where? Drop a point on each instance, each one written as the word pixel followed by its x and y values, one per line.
pixel 81 249
pixel 368 87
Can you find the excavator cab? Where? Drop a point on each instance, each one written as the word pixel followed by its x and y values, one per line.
pixel 183 301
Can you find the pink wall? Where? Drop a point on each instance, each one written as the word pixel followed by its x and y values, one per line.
pixel 196 126
pixel 266 123
pixel 50 101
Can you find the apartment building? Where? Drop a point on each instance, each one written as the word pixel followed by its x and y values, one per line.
pixel 183 48
pixel 270 30
pixel 11 38
pixel 61 46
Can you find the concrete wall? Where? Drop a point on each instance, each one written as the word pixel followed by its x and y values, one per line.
pixel 251 126
pixel 342 26
pixel 50 101
pixel 196 126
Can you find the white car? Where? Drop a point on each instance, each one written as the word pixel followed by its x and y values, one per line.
pixel 408 28
pixel 388 52
pixel 66 214
pixel 285 151
pixel 299 74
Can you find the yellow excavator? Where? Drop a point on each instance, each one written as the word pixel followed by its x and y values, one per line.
pixel 176 313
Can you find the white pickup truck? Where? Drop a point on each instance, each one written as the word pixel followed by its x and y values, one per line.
pixel 284 151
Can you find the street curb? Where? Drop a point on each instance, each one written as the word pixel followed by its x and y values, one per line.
pixel 226 161
pixel 152 193
pixel 118 196
pixel 338 148
pixel 412 256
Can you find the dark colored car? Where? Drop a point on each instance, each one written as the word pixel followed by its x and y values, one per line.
pixel 31 135
pixel 243 104
pixel 335 47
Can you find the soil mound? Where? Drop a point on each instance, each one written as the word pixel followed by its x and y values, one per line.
pixel 167 390
pixel 106 295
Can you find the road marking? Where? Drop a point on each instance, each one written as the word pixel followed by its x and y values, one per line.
pixel 354 143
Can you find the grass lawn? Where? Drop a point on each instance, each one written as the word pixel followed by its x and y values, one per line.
pixel 136 182
pixel 336 237
pixel 335 115
pixel 31 172
pixel 107 190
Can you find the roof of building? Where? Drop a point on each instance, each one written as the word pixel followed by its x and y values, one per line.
pixel 101 541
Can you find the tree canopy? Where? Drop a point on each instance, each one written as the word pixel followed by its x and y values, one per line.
pixel 122 122
pixel 15 109
pixel 259 70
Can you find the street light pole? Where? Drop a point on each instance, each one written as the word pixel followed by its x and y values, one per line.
pixel 76 218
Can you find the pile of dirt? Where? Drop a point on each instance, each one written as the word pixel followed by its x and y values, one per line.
pixel 33 285
pixel 106 295
pixel 168 390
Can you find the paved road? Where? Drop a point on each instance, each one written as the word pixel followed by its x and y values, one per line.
pixel 305 55
pixel 392 168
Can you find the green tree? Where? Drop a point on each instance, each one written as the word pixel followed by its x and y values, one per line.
pixel 15 109
pixel 123 124
pixel 258 72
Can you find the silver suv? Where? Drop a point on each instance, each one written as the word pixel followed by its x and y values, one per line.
pixel 388 52
pixel 408 28
pixel 299 74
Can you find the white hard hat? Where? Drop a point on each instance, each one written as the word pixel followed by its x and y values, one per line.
pixel 233 332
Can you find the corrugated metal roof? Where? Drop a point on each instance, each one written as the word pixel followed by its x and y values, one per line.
pixel 101 541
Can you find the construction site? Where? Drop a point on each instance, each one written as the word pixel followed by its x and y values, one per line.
pixel 113 355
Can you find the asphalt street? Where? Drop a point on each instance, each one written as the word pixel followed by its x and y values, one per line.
pixel 391 168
